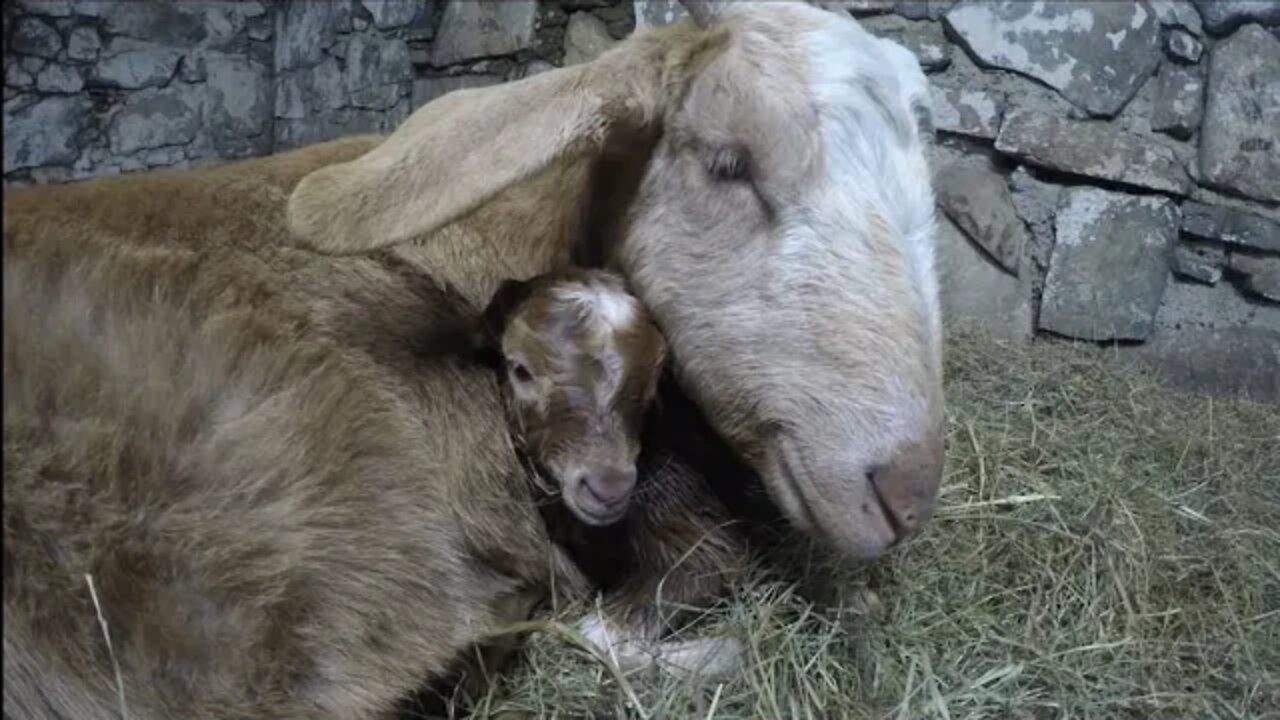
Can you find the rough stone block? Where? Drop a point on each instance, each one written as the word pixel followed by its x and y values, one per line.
pixel 1179 102
pixel 15 76
pixel 1036 203
pixel 1224 16
pixel 1230 225
pixel 55 78
pixel 924 39
pixel 977 200
pixel 1228 362
pixel 975 113
pixel 132 65
pixel 1211 338
pixel 260 28
pixel 1239 143
pixel 48 8
pixel 303 31
pixel 389 14
pixel 164 157
pixel 309 92
pixel 1260 275
pixel 531 69
pixel 472 30
pixel 1200 261
pixel 92 8
pixel 1093 149
pixel 585 39
pixel 239 99
pixel 857 8
pixel 33 65
pixel 658 12
pixel 19 102
pixel 212 25
pixel 1110 265
pixel 1183 47
pixel 83 44
pixel 193 68
pixel 423 25
pixel 157 119
pixel 619 18
pixel 174 24
pixel 1095 54
pixel 1178 14
pixel 378 71
pixel 1196 306
pixel 974 290
pixel 923 9
pixel 33 36
pixel 45 132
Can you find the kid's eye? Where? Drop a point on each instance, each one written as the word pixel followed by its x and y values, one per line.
pixel 519 372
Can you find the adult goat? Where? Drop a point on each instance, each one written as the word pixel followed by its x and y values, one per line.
pixel 228 398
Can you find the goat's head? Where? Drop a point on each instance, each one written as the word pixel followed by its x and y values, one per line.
pixel 581 361
pixel 768 197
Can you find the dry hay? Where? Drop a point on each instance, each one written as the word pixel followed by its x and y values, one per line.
pixel 1106 548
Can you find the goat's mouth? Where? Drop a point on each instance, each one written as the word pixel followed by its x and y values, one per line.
pixel 789 490
pixel 595 516
pixel 857 521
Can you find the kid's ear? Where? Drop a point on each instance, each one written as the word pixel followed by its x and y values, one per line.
pixel 509 296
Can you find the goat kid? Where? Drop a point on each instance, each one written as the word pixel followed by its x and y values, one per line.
pixel 581 363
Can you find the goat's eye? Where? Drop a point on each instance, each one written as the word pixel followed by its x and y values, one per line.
pixel 727 164
pixel 519 372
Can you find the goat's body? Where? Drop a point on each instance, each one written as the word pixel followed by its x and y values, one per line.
pixel 270 457
pixel 293 498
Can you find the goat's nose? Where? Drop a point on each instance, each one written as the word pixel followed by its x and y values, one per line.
pixel 907 484
pixel 609 486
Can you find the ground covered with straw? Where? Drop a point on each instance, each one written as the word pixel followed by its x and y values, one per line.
pixel 1106 548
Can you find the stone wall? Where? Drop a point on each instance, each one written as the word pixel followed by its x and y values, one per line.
pixel 1109 172
pixel 95 87
pixel 1106 171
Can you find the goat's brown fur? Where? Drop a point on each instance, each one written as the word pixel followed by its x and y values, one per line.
pixel 233 446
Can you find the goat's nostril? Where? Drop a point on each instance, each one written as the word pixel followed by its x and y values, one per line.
pixel 907 483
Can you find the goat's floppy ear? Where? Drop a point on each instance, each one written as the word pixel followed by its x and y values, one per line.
pixel 459 151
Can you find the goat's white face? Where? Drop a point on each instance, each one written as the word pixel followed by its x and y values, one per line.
pixel 777 218
pixel 783 236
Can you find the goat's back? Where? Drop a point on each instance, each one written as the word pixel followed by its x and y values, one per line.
pixel 291 498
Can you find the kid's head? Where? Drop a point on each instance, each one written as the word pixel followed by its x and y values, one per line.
pixel 582 360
